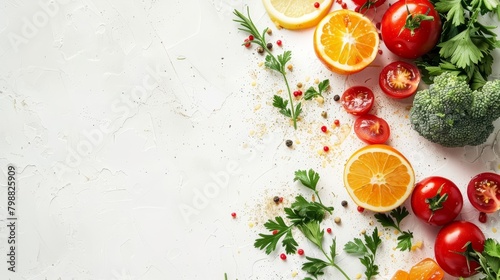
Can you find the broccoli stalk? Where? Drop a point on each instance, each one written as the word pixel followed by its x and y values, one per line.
pixel 450 113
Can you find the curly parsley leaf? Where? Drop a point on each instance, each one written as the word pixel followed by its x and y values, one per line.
pixel 405 237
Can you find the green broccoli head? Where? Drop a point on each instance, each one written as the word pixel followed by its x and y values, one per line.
pixel 451 114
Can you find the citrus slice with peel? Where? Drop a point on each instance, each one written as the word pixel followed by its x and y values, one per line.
pixel 378 178
pixel 426 269
pixel 297 14
pixel 346 41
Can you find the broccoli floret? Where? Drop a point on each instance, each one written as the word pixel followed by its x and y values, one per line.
pixel 451 114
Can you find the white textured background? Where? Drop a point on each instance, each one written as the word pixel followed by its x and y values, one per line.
pixel 138 126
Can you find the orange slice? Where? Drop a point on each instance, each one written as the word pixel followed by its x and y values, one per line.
pixel 401 275
pixel 427 269
pixel 378 178
pixel 346 41
pixel 297 14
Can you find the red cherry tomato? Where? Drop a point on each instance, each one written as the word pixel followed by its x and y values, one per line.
pixel 484 192
pixel 399 79
pixel 372 129
pixel 436 200
pixel 410 28
pixel 357 100
pixel 450 245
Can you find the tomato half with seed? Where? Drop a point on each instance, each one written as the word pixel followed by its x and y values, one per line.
pixel 410 28
pixel 357 100
pixel 483 192
pixel 451 245
pixel 436 200
pixel 372 129
pixel 399 79
pixel 367 4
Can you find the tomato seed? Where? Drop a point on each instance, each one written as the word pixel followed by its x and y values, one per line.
pixel 483 217
pixel 283 256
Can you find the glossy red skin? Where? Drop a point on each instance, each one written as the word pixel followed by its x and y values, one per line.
pixel 428 188
pixel 374 3
pixel 363 129
pixel 476 201
pixel 451 239
pixel 399 40
pixel 395 71
pixel 357 100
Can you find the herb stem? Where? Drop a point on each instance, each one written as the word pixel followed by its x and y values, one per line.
pixel 294 117
pixel 333 264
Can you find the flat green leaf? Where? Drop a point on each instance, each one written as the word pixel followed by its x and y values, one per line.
pixel 308 178
pixel 461 50
pixel 355 247
pixel 453 10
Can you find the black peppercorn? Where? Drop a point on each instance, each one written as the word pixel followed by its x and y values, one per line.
pixel 289 143
pixel 276 199
pixel 336 97
pixel 269 46
pixel 344 203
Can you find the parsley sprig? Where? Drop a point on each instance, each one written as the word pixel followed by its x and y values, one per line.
pixel 465 45
pixel 489 259
pixel 405 237
pixel 276 63
pixel 311 92
pixel 367 251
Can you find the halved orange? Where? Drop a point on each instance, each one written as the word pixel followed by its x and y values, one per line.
pixel 426 269
pixel 378 178
pixel 297 14
pixel 346 41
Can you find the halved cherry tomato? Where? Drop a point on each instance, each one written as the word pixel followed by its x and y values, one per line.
pixel 372 129
pixel 484 192
pixel 399 79
pixel 451 244
pixel 436 200
pixel 357 100
pixel 367 4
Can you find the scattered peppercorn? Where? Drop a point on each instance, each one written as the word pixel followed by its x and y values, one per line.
pixel 324 114
pixel 336 122
pixel 276 199
pixel 260 50
pixel 299 85
pixel 300 252
pixel 324 128
pixel 288 143
pixel 233 215
pixel 289 67
pixel 316 5
pixel 337 220
pixel 344 203
pixel 250 37
pixel 336 97
pixel 281 199
pixel 329 230
pixel 247 43
pixel 269 31
pixel 326 148
pixel 279 43
pixel 269 46
pixel 275 232
pixel 283 256
pixel 360 209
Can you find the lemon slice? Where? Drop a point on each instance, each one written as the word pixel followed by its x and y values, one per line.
pixel 297 14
